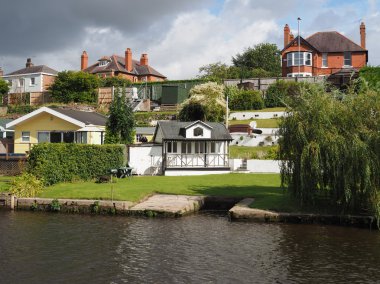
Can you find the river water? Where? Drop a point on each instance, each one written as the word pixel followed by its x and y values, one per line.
pixel 203 248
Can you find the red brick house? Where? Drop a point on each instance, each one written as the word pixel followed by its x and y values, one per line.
pixel 126 67
pixel 322 53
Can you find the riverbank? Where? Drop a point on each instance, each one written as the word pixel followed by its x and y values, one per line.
pixel 165 205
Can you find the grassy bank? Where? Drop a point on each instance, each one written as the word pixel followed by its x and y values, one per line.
pixel 261 123
pixel 265 188
pixel 243 152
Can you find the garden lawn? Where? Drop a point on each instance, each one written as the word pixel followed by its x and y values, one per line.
pixel 265 188
pixel 261 123
pixel 5 183
pixel 273 109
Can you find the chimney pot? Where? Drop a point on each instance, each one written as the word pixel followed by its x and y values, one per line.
pixel 144 59
pixel 83 60
pixel 128 60
pixel 286 35
pixel 29 63
pixel 362 36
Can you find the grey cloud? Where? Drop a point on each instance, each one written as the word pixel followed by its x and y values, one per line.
pixel 30 27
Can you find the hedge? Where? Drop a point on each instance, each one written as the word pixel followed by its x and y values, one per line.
pixel 246 100
pixel 65 162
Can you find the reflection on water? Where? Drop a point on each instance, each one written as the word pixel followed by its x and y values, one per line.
pixel 57 248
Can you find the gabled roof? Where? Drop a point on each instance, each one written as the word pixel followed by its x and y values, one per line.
pixel 76 117
pixel 34 69
pixel 302 42
pixel 117 63
pixel 333 42
pixel 171 130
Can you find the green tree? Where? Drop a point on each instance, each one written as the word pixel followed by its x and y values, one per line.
pixel 217 72
pixel 115 82
pixel 4 87
pixel 121 121
pixel 330 149
pixel 78 87
pixel 264 56
pixel 211 96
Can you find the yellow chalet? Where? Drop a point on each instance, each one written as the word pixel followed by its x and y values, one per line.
pixel 57 125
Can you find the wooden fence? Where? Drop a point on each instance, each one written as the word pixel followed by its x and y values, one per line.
pixel 263 83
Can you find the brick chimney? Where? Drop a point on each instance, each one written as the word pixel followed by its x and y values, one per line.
pixel 291 37
pixel 144 59
pixel 362 35
pixel 29 63
pixel 128 60
pixel 286 35
pixel 83 60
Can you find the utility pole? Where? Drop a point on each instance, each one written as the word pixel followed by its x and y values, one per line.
pixel 299 48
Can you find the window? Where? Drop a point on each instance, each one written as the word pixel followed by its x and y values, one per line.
pixel 25 136
pixel 347 59
pixel 299 58
pixel 213 147
pixel 324 60
pixel 103 62
pixel 43 137
pixel 81 137
pixel 186 147
pixel 198 131
pixel 32 81
pixel 172 147
pixel 199 147
pixel 60 137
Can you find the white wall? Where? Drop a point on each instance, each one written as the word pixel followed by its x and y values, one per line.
pixel 27 88
pixel 145 159
pixel 194 173
pixel 257 166
pixel 263 166
pixel 251 115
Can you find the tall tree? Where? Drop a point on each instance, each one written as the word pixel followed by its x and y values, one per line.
pixel 263 56
pixel 330 149
pixel 121 121
pixel 78 87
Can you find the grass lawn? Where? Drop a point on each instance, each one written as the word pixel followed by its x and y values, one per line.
pixel 273 109
pixel 240 152
pixel 261 123
pixel 265 188
pixel 5 183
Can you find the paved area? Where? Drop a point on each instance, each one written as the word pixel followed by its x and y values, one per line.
pixel 243 211
pixel 172 204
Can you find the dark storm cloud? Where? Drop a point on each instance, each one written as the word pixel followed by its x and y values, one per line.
pixel 37 26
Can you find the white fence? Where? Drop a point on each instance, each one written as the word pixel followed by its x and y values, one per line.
pixel 257 166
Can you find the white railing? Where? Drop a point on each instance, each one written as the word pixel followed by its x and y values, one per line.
pixel 196 160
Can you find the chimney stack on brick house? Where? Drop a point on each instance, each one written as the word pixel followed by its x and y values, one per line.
pixel 128 60
pixel 362 35
pixel 84 61
pixel 29 63
pixel 286 35
pixel 144 59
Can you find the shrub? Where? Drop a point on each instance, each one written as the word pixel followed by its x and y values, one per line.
pixel 372 76
pixel 21 109
pixel 55 206
pixel 246 100
pixel 67 162
pixel 26 185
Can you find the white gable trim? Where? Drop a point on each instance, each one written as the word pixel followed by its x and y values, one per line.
pixel 47 110
pixel 198 122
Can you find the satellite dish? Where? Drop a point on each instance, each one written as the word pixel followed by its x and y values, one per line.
pixel 253 124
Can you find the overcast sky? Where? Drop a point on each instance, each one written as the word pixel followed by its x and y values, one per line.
pixel 179 35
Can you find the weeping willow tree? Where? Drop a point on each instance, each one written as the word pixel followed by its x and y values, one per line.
pixel 330 149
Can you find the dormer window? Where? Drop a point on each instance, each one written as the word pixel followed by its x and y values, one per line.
pixel 103 62
pixel 198 131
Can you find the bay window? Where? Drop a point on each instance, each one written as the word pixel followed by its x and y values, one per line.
pixel 299 58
